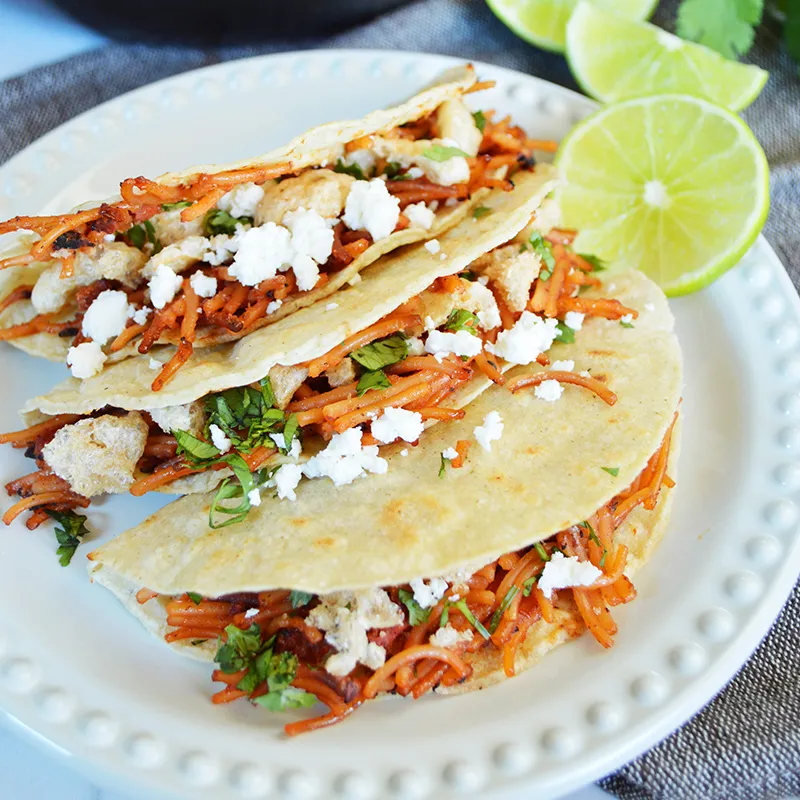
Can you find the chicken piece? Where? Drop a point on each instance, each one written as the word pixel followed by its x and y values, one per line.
pixel 178 256
pixel 455 121
pixel 439 305
pixel 481 301
pixel 189 417
pixel 547 217
pixel 511 273
pixel 98 455
pixel 113 261
pixel 342 374
pixel 285 381
pixel 408 152
pixel 170 228
pixel 320 190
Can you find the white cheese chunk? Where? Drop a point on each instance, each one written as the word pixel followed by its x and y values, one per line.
pixel 106 317
pixel 398 423
pixel 433 246
pixel 549 390
pixel 415 345
pixel 428 594
pixel 490 431
pixel 363 159
pixel 370 207
pixel 563 366
pixel 530 336
pixel 274 306
pixel 419 215
pixel 460 343
pixel 242 200
pixel 163 286
pixel 448 636
pixel 561 572
pixel 203 285
pixel 86 359
pixel 626 319
pixel 262 252
pixel 219 439
pixel 450 453
pixel 254 496
pixel 189 417
pixel 574 320
pixel 311 235
pixel 140 315
pixel 286 479
pixel 344 459
pixel 484 301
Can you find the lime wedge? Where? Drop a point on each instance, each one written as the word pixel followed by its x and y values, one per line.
pixel 544 22
pixel 616 59
pixel 671 185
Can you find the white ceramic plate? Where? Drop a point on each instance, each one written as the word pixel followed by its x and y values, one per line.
pixel 79 673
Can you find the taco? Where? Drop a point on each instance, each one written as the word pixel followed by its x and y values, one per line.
pixel 213 253
pixel 499 536
pixel 239 408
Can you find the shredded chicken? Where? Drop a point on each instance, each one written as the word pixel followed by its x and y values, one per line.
pixel 455 121
pixel 285 382
pixel 511 272
pixel 190 417
pixel 320 190
pixel 342 374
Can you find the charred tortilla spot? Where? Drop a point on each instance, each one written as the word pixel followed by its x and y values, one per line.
pixel 70 240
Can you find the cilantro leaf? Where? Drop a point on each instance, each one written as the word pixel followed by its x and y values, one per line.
pixel 445 617
pixel 726 26
pixel 481 211
pixel 286 699
pixel 372 379
pixel 498 615
pixel 543 249
pixel 527 586
pixel 440 152
pixel 291 429
pixel 593 537
pixel 462 606
pixel 626 324
pixel 395 171
pixel 416 613
pixel 611 470
pixel 195 597
pixel 174 206
pixel 565 334
pixel 298 599
pixel 480 120
pixel 443 467
pixel 72 529
pixel 598 263
pixel 462 320
pixel 267 395
pixel 382 353
pixel 468 275
pixel 240 649
pixel 350 169
pixel 218 221
pixel 195 451
pixel 545 274
pixel 230 490
pixel 141 234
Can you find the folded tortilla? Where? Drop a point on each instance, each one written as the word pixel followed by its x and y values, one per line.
pixel 320 146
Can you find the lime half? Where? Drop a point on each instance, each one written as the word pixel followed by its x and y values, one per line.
pixel 671 185
pixel 544 22
pixel 616 59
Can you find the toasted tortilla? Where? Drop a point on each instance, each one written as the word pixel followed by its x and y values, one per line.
pixel 313 331
pixel 543 475
pixel 319 146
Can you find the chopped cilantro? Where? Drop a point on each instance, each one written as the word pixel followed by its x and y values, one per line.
pixel 372 379
pixel 195 451
pixel 527 586
pixel 416 613
pixel 727 26
pixel 480 120
pixel 195 597
pixel 395 171
pixel 440 152
pixel 267 395
pixel 382 353
pixel 445 617
pixel 142 233
pixel 230 490
pixel 350 169
pixel 462 606
pixel 626 324
pixel 481 211
pixel 539 547
pixel 611 470
pixel 72 529
pixel 598 263
pixel 291 429
pixel 218 221
pixel 565 334
pixel 468 275
pixel 284 699
pixel 298 599
pixel 443 467
pixel 174 206
pixel 545 274
pixel 498 615
pixel 240 649
pixel 593 537
pixel 462 320
pixel 543 249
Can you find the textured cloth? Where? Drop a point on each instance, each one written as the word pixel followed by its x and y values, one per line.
pixel 746 743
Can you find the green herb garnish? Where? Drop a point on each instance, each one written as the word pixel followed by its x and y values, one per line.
pixel 598 263
pixel 468 275
pixel 593 537
pixel 174 206
pixel 395 171
pixel 443 467
pixel 462 320
pixel 527 586
pixel 298 599
pixel 195 597
pixel 440 152
pixel 372 379
pixel 565 334
pixel 611 470
pixel 72 529
pixel 626 324
pixel 382 353
pixel 462 606
pixel 543 249
pixel 350 169
pixel 218 221
pixel 416 613
pixel 142 233
pixel 498 615
pixel 194 451
pixel 480 120
pixel 481 211
pixel 543 554
pixel 545 274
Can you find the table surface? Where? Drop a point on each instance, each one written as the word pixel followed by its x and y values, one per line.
pixel 34 34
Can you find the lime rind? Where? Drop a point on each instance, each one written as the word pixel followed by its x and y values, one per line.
pixel 713 173
pixel 614 58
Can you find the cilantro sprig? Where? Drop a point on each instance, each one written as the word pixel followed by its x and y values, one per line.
pixel 218 221
pixel 174 206
pixel 544 250
pixel 71 528
pixel 565 334
pixel 350 169
pixel 462 320
pixel 441 152
pixel 382 353
pixel 480 120
pixel 726 26
pixel 417 615
pixel 139 235
pixel 372 379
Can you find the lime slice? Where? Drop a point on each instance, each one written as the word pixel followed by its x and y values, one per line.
pixel 616 59
pixel 671 185
pixel 544 22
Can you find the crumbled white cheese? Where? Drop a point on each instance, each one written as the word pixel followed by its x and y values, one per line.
pixel 626 319
pixel 404 452
pixel 262 252
pixel 448 636
pixel 450 453
pixel 584 373
pixel 109 237
pixel 219 439
pixel 242 200
pixel 140 315
pixel 370 207
pixel 443 257
pixel 415 173
pixel 344 459
pixel 487 311
pixel 650 306
pixel 451 202
pixel 221 248
pixel 312 242
pixel 433 246
pixel 419 215
pixel 188 417
pixel 550 391
pixel 250 613
pixel 397 423
pixel 530 336
pixel 86 359
pixel 446 173
pixel 490 431
pixel 430 324
pixel 163 286
pixel 561 572
pixel 294 450
pixel 563 366
pixel 415 345
pixel 274 306
pixel 574 320
pixel 106 317
pixel 460 343
pixel 286 479
pixel 346 617
pixel 254 496
pixel 364 159
pixel 483 280
pixel 203 285
pixel 331 306
pixel 154 363
pixel 428 594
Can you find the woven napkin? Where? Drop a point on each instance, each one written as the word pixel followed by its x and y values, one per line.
pixel 746 742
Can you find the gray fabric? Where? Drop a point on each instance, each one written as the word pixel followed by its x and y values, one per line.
pixel 746 743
